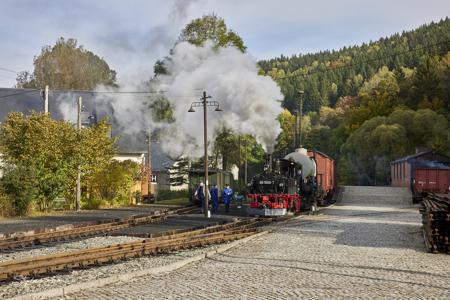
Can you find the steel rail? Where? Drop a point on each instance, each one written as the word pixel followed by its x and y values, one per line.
pixel 85 231
pixel 96 256
pixel 228 227
pixel 76 256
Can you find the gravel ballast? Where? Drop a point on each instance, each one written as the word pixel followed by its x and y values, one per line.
pixel 66 247
pixel 28 286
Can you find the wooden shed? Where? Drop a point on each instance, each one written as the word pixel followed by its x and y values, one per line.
pixel 425 171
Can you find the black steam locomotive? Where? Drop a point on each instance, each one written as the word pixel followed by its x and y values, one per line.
pixel 287 184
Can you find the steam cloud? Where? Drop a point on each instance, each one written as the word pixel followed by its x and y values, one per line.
pixel 249 101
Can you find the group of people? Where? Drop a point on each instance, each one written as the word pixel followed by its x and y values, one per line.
pixel 227 196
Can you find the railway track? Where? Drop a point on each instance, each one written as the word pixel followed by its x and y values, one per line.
pixel 50 264
pixel 86 231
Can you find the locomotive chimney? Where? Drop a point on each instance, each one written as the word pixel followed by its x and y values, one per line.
pixel 277 166
pixel 269 162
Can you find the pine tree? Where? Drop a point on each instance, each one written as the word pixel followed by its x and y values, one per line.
pixel 179 173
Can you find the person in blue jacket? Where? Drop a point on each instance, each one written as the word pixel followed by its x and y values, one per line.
pixel 214 198
pixel 227 195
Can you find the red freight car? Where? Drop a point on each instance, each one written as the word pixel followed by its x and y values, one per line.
pixel 431 180
pixel 422 172
pixel 324 176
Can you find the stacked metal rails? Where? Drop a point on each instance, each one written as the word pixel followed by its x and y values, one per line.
pixel 435 210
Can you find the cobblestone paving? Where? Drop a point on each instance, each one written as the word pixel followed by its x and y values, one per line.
pixel 345 252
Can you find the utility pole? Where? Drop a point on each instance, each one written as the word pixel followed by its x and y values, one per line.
pixel 205 103
pixel 78 196
pixel 149 163
pixel 205 138
pixel 300 118
pixel 240 161
pixel 295 129
pixel 245 162
pixel 46 99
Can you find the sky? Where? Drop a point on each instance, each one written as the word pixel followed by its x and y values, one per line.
pixel 131 35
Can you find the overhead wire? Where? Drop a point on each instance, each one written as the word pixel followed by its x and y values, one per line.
pixel 25 91
pixel 107 92
pixel 8 70
pixel 141 93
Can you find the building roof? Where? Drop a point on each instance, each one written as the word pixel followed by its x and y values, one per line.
pixel 423 164
pixel 424 158
pixel 28 100
pixel 160 161
pixel 321 153
pixel 406 158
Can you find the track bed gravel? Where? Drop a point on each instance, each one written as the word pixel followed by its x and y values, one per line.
pixel 27 286
pixel 66 247
pixel 8 226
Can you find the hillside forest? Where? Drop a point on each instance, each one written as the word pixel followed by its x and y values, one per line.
pixel 370 104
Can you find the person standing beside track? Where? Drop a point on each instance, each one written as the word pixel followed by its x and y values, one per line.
pixel 199 194
pixel 214 198
pixel 227 194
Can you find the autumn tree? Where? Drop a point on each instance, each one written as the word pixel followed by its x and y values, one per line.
pixel 66 65
pixel 287 123
pixel 211 27
pixel 51 150
pixel 382 139
pixel 229 149
pixel 379 93
pixel 113 183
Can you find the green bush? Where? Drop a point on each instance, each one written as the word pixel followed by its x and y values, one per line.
pixel 168 194
pixel 6 207
pixel 93 203
pixel 113 183
pixel 20 185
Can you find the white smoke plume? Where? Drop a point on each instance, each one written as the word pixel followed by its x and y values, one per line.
pixel 128 111
pixel 249 101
